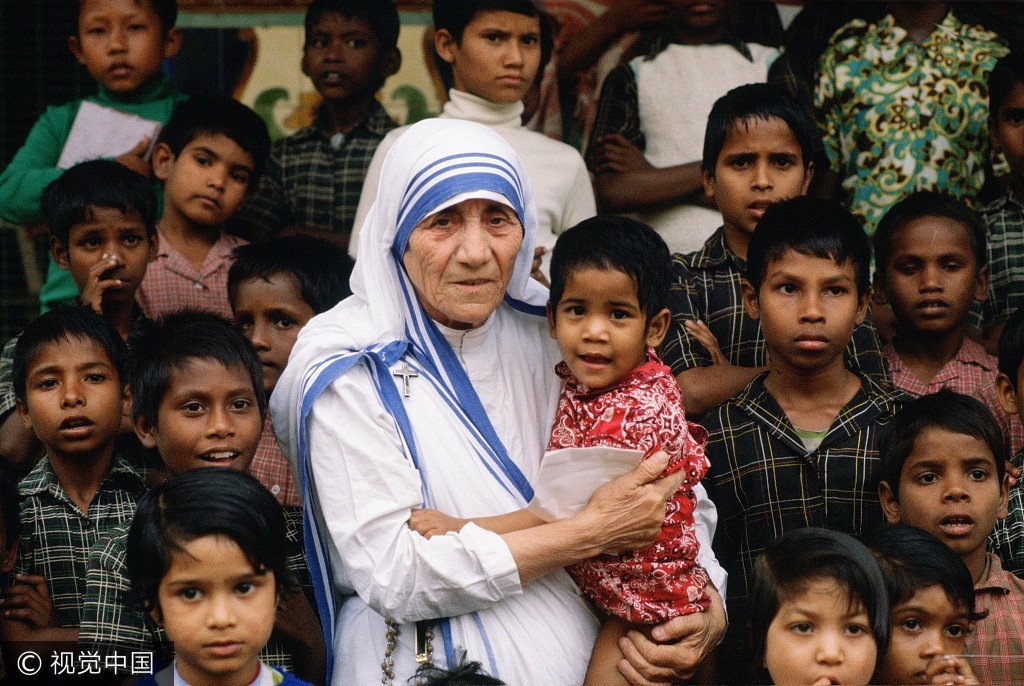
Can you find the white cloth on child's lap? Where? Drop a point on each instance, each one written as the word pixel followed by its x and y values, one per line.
pixel 366 485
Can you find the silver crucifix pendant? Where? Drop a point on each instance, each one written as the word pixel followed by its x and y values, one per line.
pixel 406 373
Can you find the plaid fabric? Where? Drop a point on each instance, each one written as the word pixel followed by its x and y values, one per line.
pixel 113 621
pixel 973 372
pixel 8 399
pixel 1005 219
pixel 172 283
pixel 311 185
pixel 899 116
pixel 995 644
pixel 1007 540
pixel 765 483
pixel 271 469
pixel 56 535
pixel 706 287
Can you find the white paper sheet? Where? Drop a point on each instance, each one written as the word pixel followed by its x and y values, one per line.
pixel 568 478
pixel 104 132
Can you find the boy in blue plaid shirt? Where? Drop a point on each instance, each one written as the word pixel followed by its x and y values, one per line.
pixel 796 447
pixel 68 370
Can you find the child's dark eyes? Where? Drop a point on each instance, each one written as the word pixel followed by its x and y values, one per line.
pixel 911 624
pixel 801 628
pixel 195 406
pixel 927 478
pixel 241 404
pixel 856 630
pixel 787 288
pixel 96 377
pixel 836 290
pixel 531 40
pixel 978 474
pixel 1014 115
pixel 47 383
pixel 245 588
pixel 956 631
pixel 284 323
pixel 357 43
pixel 575 310
pixel 240 177
pixel 131 241
pixel 203 160
pixel 189 593
pixel 619 315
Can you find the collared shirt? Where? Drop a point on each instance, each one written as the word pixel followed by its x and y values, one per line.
pixel 995 643
pixel 618 109
pixel 765 483
pixel 172 283
pixel 1007 540
pixel 706 287
pixel 271 469
pixel 973 372
pixel 311 184
pixel 113 620
pixel 1005 219
pixel 898 116
pixel 56 535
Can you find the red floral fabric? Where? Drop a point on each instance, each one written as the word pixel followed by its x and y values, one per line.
pixel 643 411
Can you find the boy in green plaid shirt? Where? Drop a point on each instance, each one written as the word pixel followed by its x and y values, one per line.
pixel 68 370
pixel 796 447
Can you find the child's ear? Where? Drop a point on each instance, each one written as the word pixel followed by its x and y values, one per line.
pixel 708 180
pixel 750 302
pixel 878 289
pixel 863 300
pixel 162 161
pixel 145 431
pixel 75 46
pixel 658 327
pixel 59 252
pixel 1007 395
pixel 1004 496
pixel 550 310
pixel 890 505
pixel 126 402
pixel 391 63
pixel 808 177
pixel 172 42
pixel 981 285
pixel 445 45
pixel 22 408
pixel 154 246
pixel 157 616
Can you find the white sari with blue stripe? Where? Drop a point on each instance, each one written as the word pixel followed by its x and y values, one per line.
pixel 467 441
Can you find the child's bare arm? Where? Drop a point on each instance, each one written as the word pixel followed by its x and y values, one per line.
pixel 28 613
pixel 705 388
pixel 292 623
pixel 433 523
pixel 949 669
pixel 18 443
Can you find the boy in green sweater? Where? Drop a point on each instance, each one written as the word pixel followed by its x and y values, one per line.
pixel 122 44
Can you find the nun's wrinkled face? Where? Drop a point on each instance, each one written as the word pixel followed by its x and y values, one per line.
pixel 461 259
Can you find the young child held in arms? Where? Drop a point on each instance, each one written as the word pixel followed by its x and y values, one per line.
pixel 102 221
pixel 68 371
pixel 198 400
pixel 206 555
pixel 122 44
pixel 930 261
pixel 1007 540
pixel 757 151
pixel 275 288
pixel 943 471
pixel 819 612
pixel 314 177
pixel 796 447
pixel 609 277
pixel 931 605
pixel 209 157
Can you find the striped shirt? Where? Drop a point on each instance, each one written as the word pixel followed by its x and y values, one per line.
pixel 1007 541
pixel 172 283
pixel 56 535
pixel 995 644
pixel 765 483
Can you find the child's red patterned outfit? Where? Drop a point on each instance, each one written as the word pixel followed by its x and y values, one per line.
pixel 643 411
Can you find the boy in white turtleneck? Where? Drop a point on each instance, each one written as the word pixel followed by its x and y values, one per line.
pixel 494 49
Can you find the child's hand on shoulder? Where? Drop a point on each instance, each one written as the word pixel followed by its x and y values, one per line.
pixel 92 292
pixel 135 159
pixel 28 601
pixel 949 670
pixel 702 334
pixel 433 523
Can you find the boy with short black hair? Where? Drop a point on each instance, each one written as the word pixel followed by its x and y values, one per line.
pixel 495 49
pixel 796 447
pixel 209 156
pixel 130 78
pixel 68 370
pixel 943 470
pixel 757 150
pixel 1005 215
pixel 197 399
pixel 102 220
pixel 931 603
pixel 1007 540
pixel 275 288
pixel 930 261
pixel 314 177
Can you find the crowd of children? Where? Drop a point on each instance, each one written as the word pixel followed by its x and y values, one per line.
pixel 865 478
